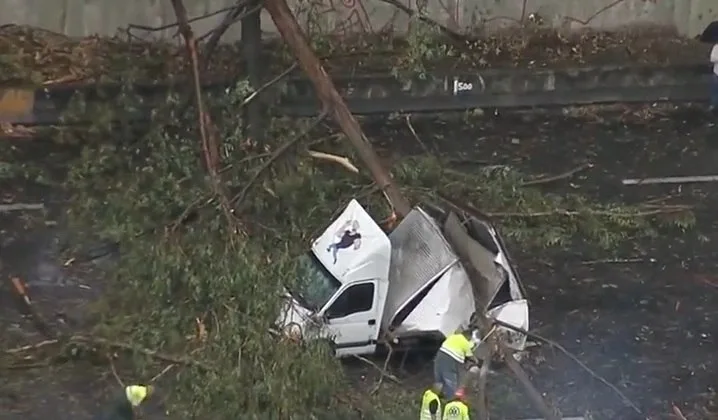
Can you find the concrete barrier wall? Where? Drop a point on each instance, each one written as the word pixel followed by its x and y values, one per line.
pixel 344 17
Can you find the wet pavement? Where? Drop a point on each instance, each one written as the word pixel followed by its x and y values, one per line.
pixel 648 327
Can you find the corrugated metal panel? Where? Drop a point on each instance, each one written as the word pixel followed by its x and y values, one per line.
pixel 419 254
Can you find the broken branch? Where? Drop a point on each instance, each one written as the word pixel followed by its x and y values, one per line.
pixel 568 354
pixel 209 146
pixel 532 392
pixel 572 213
pixel 4 208
pixel 671 180
pixel 483 406
pixel 208 132
pixel 554 178
pixel 97 341
pixel 291 32
pixel 383 371
pixel 172 25
pixel 375 366
pixel 234 14
pixel 416 136
pixel 39 321
pixel 341 160
pixel 239 198
pixel 265 86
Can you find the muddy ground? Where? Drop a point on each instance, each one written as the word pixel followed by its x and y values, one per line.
pixel 647 326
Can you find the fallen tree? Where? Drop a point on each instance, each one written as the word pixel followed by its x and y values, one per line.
pixel 196 296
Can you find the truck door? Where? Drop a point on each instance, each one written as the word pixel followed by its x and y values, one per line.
pixel 352 319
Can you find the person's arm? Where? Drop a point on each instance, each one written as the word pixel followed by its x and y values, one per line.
pixel 469 352
pixel 714 54
pixel 434 409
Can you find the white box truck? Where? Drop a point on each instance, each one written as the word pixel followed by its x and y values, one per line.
pixel 360 287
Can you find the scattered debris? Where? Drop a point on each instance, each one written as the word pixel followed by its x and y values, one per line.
pixel 341 160
pixel 5 208
pixel 619 261
pixel 564 175
pixel 671 180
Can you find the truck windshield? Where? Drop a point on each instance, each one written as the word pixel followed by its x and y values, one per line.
pixel 315 284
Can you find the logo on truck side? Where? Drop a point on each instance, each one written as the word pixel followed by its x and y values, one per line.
pixel 347 236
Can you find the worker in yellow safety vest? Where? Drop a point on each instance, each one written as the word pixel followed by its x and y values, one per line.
pixel 456 409
pixel 123 407
pixel 456 350
pixel 431 404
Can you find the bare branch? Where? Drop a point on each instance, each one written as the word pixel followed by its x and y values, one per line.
pixel 571 213
pixel 4 208
pixel 564 175
pixel 341 160
pixel 265 86
pixel 426 19
pixel 235 13
pixel 239 198
pixel 132 26
pixel 572 357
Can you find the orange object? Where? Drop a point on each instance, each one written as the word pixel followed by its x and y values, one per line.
pixel 20 288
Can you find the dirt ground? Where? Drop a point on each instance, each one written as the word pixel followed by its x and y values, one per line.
pixel 647 326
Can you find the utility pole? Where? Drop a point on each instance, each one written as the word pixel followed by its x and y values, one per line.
pixel 333 103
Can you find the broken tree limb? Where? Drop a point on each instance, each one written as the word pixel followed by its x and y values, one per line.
pixel 558 177
pixel 483 406
pixel 117 345
pixel 132 26
pixel 568 354
pixel 4 208
pixel 233 14
pixel 531 391
pixel 293 36
pixel 40 323
pixel 239 198
pixel 378 368
pixel 267 85
pixel 208 132
pixel 210 147
pixel 571 213
pixel 671 180
pixel 384 370
pixel 341 160
pixel 416 135
pixel 484 325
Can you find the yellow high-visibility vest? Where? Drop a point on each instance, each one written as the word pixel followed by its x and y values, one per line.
pixel 456 410
pixel 428 397
pixel 458 347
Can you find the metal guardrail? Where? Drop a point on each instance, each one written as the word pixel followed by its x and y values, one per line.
pixel 383 94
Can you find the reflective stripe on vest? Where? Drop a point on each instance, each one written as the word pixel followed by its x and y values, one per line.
pixel 429 396
pixel 454 346
pixel 456 410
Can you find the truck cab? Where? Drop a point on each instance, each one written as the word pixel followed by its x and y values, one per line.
pixel 357 285
pixel 342 284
